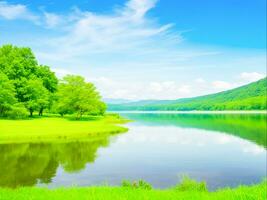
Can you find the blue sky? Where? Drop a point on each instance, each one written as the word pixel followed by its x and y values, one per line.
pixel 144 49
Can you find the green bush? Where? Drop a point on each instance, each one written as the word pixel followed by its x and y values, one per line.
pixel 17 113
pixel 188 184
pixel 136 185
pixel 126 183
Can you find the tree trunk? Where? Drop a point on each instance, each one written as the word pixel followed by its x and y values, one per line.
pixel 41 111
pixel 1 110
pixel 79 115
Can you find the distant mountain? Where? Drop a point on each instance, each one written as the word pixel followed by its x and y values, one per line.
pixel 116 101
pixel 247 97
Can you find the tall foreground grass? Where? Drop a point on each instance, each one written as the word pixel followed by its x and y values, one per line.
pixel 187 190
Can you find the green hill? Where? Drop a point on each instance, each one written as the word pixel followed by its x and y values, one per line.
pixel 247 97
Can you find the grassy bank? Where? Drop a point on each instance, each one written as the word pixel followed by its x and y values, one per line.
pixel 55 128
pixel 254 192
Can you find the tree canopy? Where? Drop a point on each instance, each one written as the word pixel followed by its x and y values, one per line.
pixel 26 84
pixel 7 94
pixel 78 96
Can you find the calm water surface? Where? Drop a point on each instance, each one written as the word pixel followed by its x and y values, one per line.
pixel 222 149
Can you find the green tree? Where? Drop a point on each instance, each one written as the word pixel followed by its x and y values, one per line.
pixel 36 96
pixel 7 94
pixel 17 62
pixel 50 82
pixel 75 95
pixel 20 66
pixel 48 77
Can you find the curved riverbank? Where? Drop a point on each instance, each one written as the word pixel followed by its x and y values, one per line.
pixel 56 129
pixel 194 112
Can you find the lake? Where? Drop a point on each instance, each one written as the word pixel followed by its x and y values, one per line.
pixel 222 149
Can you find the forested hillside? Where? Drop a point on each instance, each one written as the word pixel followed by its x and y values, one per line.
pixel 247 97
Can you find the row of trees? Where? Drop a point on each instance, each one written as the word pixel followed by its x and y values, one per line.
pixel 26 86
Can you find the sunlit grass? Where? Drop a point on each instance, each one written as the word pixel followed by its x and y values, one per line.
pixel 55 128
pixel 187 190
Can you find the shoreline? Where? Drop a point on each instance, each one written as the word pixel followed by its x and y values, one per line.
pixel 55 129
pixel 193 112
pixel 187 190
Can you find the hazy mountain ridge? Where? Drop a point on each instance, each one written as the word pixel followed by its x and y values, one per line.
pixel 248 97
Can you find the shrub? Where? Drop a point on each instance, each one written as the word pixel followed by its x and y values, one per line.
pixel 136 185
pixel 126 183
pixel 144 185
pixel 188 184
pixel 17 113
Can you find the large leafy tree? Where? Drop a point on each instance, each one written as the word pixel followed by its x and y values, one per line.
pixel 17 62
pixel 36 96
pixel 21 66
pixel 75 95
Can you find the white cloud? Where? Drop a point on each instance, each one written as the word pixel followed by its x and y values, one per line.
pixel 169 89
pixel 141 90
pixel 41 18
pixel 16 11
pixel 51 19
pixel 126 32
pixel 222 85
pixel 185 89
pixel 137 9
pixel 200 80
pixel 251 76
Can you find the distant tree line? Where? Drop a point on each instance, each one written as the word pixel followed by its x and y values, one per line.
pixel 253 103
pixel 27 87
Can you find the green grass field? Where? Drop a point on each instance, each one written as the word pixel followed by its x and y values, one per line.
pixel 55 128
pixel 254 192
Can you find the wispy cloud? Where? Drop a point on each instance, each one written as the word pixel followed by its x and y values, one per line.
pixel 125 33
pixel 51 19
pixel 137 9
pixel 126 30
pixel 222 85
pixel 125 38
pixel 16 11
pixel 251 76
pixel 137 90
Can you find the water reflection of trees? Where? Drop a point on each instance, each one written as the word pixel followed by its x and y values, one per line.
pixel 251 127
pixel 29 164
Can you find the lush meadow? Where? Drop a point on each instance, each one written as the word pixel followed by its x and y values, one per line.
pixel 54 128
